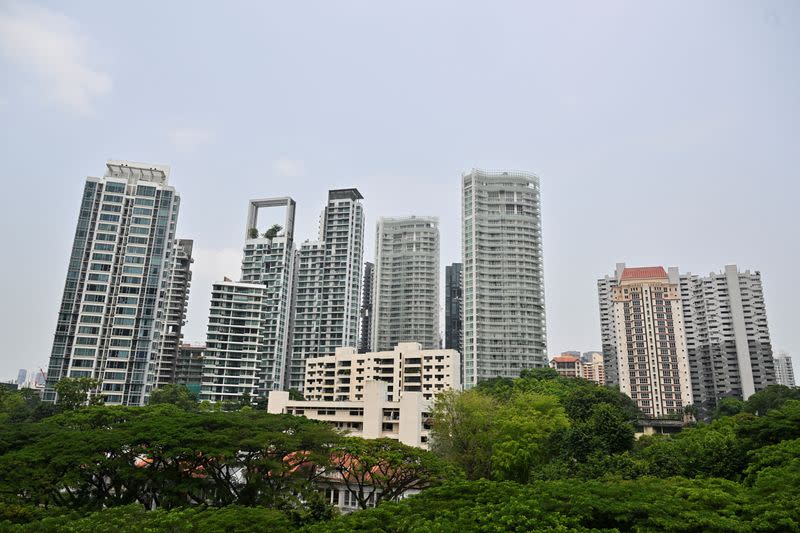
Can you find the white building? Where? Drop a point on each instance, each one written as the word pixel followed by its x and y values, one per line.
pixel 727 334
pixel 784 372
pixel 176 302
pixel 268 260
pixel 504 314
pixel 232 358
pixel 328 284
pixel 110 319
pixel 405 296
pixel 406 419
pixel 406 368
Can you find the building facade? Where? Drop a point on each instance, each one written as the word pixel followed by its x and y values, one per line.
pixel 405 294
pixel 567 365
pixel 652 358
pixel 727 334
pixel 234 342
pixel 453 307
pixel 406 419
pixel 784 371
pixel 504 314
pixel 406 368
pixel 189 366
pixel 328 284
pixel 110 319
pixel 268 260
pixel 365 339
pixel 175 305
pixel 593 367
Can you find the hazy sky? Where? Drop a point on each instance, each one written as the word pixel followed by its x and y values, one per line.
pixel 664 133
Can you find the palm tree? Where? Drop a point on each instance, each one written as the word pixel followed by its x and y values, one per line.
pixel 273 231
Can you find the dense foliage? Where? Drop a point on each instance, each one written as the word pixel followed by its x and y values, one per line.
pixel 539 453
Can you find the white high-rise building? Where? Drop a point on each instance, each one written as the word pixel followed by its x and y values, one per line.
pixel 175 305
pixel 727 335
pixel 784 372
pixel 269 260
pixel 504 314
pixel 110 320
pixel 328 284
pixel 234 342
pixel 406 289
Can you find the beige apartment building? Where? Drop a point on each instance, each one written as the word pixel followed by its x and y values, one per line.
pixel 373 416
pixel 593 368
pixel 406 368
pixel 652 356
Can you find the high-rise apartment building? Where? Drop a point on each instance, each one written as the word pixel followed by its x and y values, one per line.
pixel 727 335
pixel 234 342
pixel 22 375
pixel 110 319
pixel 725 325
pixel 652 359
pixel 328 284
pixel 504 315
pixel 453 307
pixel 365 338
pixel 406 288
pixel 784 372
pixel 268 260
pixel 608 334
pixel 175 304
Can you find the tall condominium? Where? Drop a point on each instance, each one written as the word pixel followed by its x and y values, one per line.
pixel 175 304
pixel 189 366
pixel 504 316
pixel 328 284
pixel 234 342
pixel 652 360
pixel 268 260
pixel 453 307
pixel 727 335
pixel 364 340
pixel 406 289
pixel 784 372
pixel 110 319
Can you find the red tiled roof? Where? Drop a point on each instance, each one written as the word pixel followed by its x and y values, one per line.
pixel 644 273
pixel 565 359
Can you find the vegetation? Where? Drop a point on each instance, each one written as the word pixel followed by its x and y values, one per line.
pixel 273 231
pixel 539 453
pixel 252 233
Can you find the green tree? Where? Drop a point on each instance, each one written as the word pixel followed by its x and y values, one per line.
pixel 75 392
pixel 378 470
pixel 523 427
pixel 728 406
pixel 273 231
pixel 770 398
pixel 179 395
pixel 252 233
pixel 463 430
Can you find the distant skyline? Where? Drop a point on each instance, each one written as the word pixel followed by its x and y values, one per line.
pixel 677 121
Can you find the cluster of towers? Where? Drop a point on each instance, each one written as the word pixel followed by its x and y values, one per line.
pixel 128 281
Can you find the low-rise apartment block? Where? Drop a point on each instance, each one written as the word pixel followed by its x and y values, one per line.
pixel 372 416
pixel 406 368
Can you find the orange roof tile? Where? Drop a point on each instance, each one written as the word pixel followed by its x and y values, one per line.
pixel 644 273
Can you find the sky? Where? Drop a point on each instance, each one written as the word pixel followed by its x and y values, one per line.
pixel 664 133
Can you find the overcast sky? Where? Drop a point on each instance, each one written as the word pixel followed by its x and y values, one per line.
pixel 664 133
